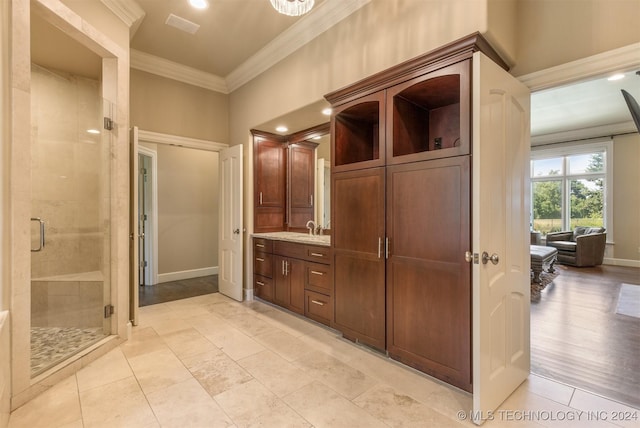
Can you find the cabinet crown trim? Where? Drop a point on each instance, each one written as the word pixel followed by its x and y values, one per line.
pixel 455 51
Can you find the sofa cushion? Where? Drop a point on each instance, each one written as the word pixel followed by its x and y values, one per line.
pixel 581 230
pixel 563 245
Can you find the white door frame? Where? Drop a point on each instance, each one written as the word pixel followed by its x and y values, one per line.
pixel 151 273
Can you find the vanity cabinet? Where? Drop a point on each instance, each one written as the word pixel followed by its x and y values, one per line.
pixel 301 171
pixel 270 163
pixel 296 276
pixel 263 269
pixel 401 210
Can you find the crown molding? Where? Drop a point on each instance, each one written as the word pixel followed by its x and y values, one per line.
pixel 620 60
pixel 176 140
pixel 584 134
pixel 325 16
pixel 129 12
pixel 173 70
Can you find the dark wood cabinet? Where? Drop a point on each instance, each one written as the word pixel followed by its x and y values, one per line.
pixel 284 181
pixel 270 163
pixel 428 280
pixel 358 239
pixel 298 277
pixel 401 210
pixel 263 269
pixel 289 283
pixel 301 185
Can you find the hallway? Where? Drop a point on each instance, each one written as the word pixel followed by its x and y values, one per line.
pixel 209 361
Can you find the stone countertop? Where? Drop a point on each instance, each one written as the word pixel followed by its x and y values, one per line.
pixel 302 238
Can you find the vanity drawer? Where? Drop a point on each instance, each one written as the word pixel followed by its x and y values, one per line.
pixel 318 254
pixel 263 264
pixel 263 287
pixel 318 276
pixel 262 245
pixel 318 307
pixel 289 249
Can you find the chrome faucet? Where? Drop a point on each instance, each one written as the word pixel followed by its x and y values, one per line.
pixel 312 227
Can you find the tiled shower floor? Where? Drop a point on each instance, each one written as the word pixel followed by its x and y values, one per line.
pixel 50 345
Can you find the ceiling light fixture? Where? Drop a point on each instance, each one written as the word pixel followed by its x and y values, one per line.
pixel 326 111
pixel 199 4
pixel 282 129
pixel 616 77
pixel 292 7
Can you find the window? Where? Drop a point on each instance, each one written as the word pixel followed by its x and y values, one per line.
pixel 569 187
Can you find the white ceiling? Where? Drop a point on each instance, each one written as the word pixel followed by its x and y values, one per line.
pixel 234 32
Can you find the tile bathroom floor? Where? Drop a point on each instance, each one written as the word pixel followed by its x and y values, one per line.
pixel 209 361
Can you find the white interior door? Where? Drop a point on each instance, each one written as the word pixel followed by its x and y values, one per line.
pixel 231 230
pixel 500 224
pixel 134 259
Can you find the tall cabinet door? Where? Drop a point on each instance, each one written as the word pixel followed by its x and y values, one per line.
pixel 301 185
pixel 359 265
pixel 270 168
pixel 428 279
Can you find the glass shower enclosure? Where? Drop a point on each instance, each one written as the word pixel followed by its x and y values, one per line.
pixel 70 216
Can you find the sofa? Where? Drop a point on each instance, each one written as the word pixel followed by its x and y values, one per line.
pixel 584 246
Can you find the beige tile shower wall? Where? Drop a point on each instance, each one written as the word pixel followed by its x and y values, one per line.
pixel 67 164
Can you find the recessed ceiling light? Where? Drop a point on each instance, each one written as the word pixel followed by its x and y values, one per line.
pixel 93 131
pixel 326 111
pixel 282 128
pixel 616 77
pixel 317 137
pixel 199 4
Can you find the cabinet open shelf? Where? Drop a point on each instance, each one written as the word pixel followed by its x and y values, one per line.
pixel 426 116
pixel 357 133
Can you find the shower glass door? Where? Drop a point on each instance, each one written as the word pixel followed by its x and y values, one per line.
pixel 70 216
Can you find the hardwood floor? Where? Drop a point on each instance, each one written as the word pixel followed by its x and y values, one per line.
pixel 578 339
pixel 176 290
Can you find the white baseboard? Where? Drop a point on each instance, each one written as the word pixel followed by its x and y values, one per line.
pixel 187 274
pixel 621 262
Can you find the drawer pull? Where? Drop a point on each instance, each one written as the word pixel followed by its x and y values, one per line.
pixel 315 272
pixel 260 283
pixel 318 302
pixel 317 254
pixel 259 259
pixel 260 245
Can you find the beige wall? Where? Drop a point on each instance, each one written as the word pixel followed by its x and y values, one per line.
pixel 170 107
pixel 187 209
pixel 5 344
pixel 626 197
pixel 554 32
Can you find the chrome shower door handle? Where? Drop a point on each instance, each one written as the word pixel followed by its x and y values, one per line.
pixel 41 240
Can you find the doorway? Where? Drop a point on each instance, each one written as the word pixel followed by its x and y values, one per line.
pixel 177 217
pixel 147 216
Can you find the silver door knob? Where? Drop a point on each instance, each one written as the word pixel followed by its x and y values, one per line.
pixel 493 258
pixel 236 232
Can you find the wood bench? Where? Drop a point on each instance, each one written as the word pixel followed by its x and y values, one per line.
pixel 542 258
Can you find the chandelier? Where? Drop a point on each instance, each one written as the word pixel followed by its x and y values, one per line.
pixel 292 7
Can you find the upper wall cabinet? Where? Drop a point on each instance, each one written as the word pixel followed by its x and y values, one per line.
pixel 357 134
pixel 284 180
pixel 270 160
pixel 426 117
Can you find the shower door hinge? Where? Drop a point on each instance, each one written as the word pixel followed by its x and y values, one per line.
pixel 108 123
pixel 108 311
